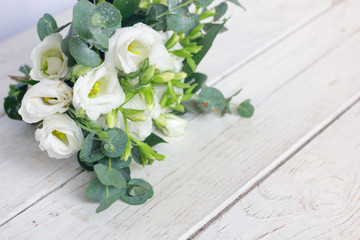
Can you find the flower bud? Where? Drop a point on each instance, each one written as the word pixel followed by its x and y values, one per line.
pixel 147 75
pixel 148 94
pixel 172 41
pixel 164 77
pixel 208 13
pixel 171 125
pixel 180 76
pixel 111 118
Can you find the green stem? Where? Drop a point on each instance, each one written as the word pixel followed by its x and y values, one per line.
pixel 107 191
pixel 110 164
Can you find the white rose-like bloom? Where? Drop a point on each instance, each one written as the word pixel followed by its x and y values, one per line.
pixel 131 45
pixel 98 92
pixel 172 125
pixel 59 136
pixel 44 99
pixel 49 62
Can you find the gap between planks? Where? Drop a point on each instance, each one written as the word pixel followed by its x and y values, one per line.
pixel 214 81
pixel 238 195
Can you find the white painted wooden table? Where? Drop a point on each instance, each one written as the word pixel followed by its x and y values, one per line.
pixel 291 172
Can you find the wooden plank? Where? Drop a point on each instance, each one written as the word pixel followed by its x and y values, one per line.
pixel 64 170
pixel 218 156
pixel 315 195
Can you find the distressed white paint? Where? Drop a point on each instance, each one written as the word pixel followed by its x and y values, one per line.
pixel 34 181
pixel 315 195
pixel 218 156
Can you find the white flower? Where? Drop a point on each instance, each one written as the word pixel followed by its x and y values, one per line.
pixel 44 99
pixel 98 92
pixel 172 125
pixel 131 45
pixel 142 129
pixel 59 136
pixel 49 62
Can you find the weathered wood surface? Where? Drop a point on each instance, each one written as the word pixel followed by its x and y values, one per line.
pixel 301 83
pixel 315 195
pixel 16 51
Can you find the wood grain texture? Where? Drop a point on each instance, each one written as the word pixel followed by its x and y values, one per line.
pixel 34 181
pixel 218 156
pixel 315 195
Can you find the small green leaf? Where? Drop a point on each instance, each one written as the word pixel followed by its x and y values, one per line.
pixel 220 10
pixel 96 191
pixel 109 176
pixel 65 49
pixel 203 3
pixel 137 193
pixel 100 37
pixel 87 166
pixel 236 2
pixel 153 140
pixel 12 102
pixel 25 70
pixel 91 150
pixel 106 203
pixel 126 7
pixel 115 146
pixel 46 25
pixel 59 29
pixel 111 16
pixel 180 21
pixel 82 14
pixel 82 54
pixel 212 99
pixel 245 109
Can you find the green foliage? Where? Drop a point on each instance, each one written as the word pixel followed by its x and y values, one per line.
pixel 245 109
pixel 46 25
pixel 220 10
pixel 110 16
pixel 12 102
pixel 211 99
pixel 203 3
pixel 138 192
pixel 153 140
pixel 82 54
pixel 115 145
pixel 109 176
pixel 196 78
pixel 91 149
pixel 179 21
pixel 156 14
pixel 126 7
pixel 66 50
pixel 82 14
pixel 25 69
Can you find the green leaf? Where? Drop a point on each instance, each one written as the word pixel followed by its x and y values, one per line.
pixel 180 21
pixel 236 2
pixel 212 99
pixel 106 203
pixel 245 109
pixel 82 54
pixel 220 10
pixel 25 70
pixel 116 163
pixel 65 49
pixel 87 166
pixel 12 102
pixel 82 14
pixel 137 193
pixel 91 150
pixel 115 146
pixel 96 191
pixel 111 16
pixel 59 29
pixel 206 43
pixel 196 78
pixel 153 140
pixel 100 37
pixel 126 7
pixel 109 176
pixel 46 25
pixel 153 13
pixel 203 3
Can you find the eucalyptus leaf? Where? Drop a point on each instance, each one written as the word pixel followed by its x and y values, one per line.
pixel 106 203
pixel 126 7
pixel 220 10
pixel 137 193
pixel 82 54
pixel 65 49
pixel 46 25
pixel 109 176
pixel 87 166
pixel 212 99
pixel 153 140
pixel 179 21
pixel 153 12
pixel 246 109
pixel 100 37
pixel 111 16
pixel 82 14
pixel 203 3
pixel 115 146
pixel 96 191
pixel 91 149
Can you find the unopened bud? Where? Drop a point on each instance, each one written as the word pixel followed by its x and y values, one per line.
pixel 164 77
pixel 208 13
pixel 172 41
pixel 111 118
pixel 180 76
pixel 146 76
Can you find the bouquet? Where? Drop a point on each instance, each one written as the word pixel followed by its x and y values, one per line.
pixel 124 69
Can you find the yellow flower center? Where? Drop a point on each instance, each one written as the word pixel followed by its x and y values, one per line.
pixel 95 89
pixel 47 99
pixel 58 134
pixel 131 49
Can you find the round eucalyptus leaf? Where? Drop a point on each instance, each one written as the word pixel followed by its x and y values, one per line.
pixel 96 191
pixel 212 99
pixel 138 192
pixel 82 14
pixel 82 54
pixel 111 17
pixel 115 145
